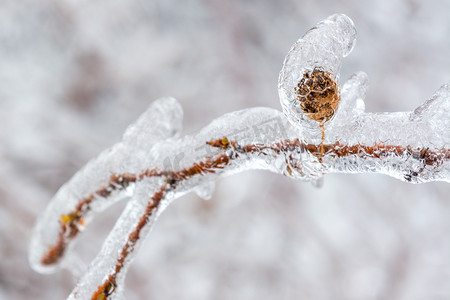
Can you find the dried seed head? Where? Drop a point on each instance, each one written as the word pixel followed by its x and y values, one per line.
pixel 318 95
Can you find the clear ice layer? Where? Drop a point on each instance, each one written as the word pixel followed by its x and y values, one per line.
pixel 324 46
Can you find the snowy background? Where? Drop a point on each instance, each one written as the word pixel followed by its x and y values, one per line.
pixel 74 74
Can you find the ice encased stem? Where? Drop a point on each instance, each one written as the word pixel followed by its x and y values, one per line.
pixel 161 121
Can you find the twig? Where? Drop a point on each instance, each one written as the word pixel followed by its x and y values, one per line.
pixel 70 223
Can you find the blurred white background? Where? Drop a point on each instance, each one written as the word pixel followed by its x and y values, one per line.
pixel 74 74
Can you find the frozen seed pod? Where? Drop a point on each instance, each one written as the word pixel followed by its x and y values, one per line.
pixel 318 95
pixel 308 81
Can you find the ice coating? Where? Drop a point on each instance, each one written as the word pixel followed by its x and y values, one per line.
pixel 321 47
pixel 137 139
pixel 168 114
pixel 428 125
pixel 106 260
pixel 153 165
pixel 434 115
pixel 353 94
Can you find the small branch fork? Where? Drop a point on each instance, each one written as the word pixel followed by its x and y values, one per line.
pixel 72 223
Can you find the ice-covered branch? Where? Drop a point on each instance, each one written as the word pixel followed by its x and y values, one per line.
pixel 323 129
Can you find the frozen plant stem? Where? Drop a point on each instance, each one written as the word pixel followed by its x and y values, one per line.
pixel 324 129
pixel 215 164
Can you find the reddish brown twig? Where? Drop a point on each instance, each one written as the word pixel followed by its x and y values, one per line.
pixel 427 155
pixel 109 286
pixel 71 223
pixel 173 178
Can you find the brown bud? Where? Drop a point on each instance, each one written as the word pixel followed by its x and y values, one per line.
pixel 318 95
